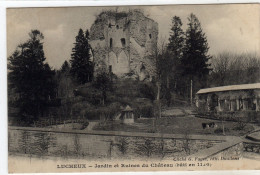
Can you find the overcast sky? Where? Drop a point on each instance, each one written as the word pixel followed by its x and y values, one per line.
pixel 232 28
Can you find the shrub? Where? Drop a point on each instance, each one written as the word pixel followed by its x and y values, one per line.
pixel 84 125
pixel 81 106
pixel 144 110
pixel 240 125
pixel 108 111
pixel 147 91
pixel 245 116
pixel 127 88
pixel 220 130
pixel 201 110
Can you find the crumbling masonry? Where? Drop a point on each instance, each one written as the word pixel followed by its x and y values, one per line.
pixel 123 43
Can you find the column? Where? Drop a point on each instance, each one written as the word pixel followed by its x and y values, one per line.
pixel 208 101
pixel 256 105
pixel 219 105
pixel 224 105
pixel 197 101
pixel 237 101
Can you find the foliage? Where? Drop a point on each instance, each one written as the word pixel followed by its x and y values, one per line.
pixel 176 40
pixel 31 78
pixel 65 67
pixel 106 112
pixel 109 111
pixel 103 83
pixel 175 48
pixel 220 130
pixel 109 13
pixel 81 65
pixel 185 56
pixel 78 106
pixel 144 110
pixel 195 55
pixel 148 91
pixel 241 124
pixel 84 125
pixel 65 81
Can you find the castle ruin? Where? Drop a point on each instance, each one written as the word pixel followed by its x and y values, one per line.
pixel 122 42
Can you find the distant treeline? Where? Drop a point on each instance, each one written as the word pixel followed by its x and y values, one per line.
pixel 231 69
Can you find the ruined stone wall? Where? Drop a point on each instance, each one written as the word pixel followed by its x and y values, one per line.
pixel 122 41
pixel 101 144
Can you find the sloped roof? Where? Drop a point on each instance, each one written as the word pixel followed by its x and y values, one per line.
pixel 229 88
pixel 128 108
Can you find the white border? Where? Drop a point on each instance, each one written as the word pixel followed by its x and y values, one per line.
pixel 66 3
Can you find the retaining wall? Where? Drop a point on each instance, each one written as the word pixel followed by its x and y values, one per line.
pixel 105 144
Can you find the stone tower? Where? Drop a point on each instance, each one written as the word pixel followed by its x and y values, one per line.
pixel 122 43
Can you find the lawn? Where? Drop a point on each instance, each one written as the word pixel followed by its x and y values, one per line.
pixel 177 125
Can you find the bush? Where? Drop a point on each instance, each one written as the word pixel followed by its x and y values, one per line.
pixel 241 124
pixel 147 91
pixel 220 130
pixel 84 125
pixel 244 116
pixel 81 106
pixel 144 110
pixel 127 88
pixel 107 112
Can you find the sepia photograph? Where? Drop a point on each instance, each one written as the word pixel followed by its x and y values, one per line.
pixel 133 88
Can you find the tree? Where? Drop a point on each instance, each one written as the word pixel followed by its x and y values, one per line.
pixel 103 83
pixel 81 65
pixel 195 55
pixel 175 47
pixel 65 83
pixel 31 78
pixel 161 61
pixel 229 68
pixel 221 65
pixel 158 63
pixel 176 40
pixel 65 67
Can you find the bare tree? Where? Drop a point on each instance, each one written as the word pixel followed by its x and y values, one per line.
pixel 229 69
pixel 158 64
pixel 221 65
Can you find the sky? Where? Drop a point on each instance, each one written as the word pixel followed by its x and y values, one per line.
pixel 229 28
